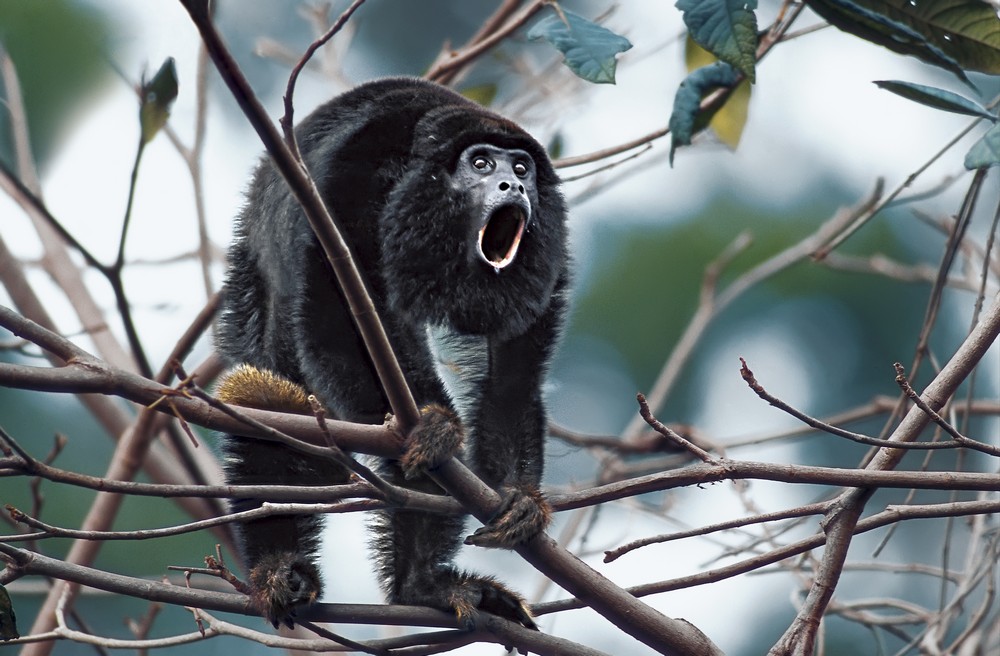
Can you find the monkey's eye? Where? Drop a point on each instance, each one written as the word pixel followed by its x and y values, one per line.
pixel 520 169
pixel 480 162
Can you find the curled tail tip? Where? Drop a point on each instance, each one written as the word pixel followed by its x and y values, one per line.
pixel 246 385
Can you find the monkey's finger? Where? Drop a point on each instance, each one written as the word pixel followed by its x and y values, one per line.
pixel 486 536
pixel 521 517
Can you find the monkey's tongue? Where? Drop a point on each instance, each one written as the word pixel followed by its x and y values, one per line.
pixel 500 238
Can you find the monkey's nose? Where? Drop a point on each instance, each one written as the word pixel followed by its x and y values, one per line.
pixel 506 186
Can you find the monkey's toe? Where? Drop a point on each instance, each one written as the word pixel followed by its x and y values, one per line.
pixel 437 437
pixel 523 515
pixel 282 582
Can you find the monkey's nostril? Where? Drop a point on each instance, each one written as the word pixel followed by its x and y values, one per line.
pixel 504 186
pixel 520 188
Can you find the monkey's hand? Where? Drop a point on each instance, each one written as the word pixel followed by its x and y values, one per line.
pixel 437 437
pixel 281 582
pixel 523 514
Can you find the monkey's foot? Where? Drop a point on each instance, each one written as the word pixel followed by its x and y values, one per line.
pixel 280 583
pixel 523 514
pixel 437 437
pixel 465 594
pixel 474 592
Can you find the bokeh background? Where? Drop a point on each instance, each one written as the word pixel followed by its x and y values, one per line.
pixel 818 137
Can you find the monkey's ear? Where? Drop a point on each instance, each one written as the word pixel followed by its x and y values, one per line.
pixel 251 387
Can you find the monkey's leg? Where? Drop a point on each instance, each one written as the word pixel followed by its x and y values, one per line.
pixel 279 551
pixel 415 552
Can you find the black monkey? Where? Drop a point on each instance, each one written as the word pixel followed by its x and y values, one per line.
pixel 454 215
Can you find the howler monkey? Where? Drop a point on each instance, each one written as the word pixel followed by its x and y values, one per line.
pixel 455 218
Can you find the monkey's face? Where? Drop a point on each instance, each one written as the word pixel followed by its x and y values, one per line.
pixel 500 186
pixel 474 234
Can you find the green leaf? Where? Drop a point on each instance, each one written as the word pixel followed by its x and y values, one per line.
pixel 985 152
pixel 956 35
pixel 729 121
pixel 726 28
pixel 934 97
pixel 588 49
pixel 687 119
pixel 158 95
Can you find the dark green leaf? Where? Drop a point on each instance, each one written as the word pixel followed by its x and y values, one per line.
pixel 687 118
pixel 555 146
pixel 726 28
pixel 158 95
pixel 934 97
pixel 956 35
pixel 588 49
pixel 8 621
pixel 985 152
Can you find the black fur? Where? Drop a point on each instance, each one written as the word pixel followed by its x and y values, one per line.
pixel 385 157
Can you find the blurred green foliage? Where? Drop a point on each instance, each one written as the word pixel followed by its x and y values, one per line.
pixel 650 276
pixel 60 49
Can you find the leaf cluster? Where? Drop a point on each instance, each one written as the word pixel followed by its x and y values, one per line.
pixel 955 35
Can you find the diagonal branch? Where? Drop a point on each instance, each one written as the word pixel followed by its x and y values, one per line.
pixel 328 234
pixel 799 639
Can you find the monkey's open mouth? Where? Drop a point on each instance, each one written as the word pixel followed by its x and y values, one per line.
pixel 500 238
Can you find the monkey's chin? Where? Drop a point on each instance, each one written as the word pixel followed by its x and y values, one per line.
pixel 500 237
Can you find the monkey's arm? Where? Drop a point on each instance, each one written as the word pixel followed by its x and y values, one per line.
pixel 510 426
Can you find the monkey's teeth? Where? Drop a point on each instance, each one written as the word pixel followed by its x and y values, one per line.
pixel 500 238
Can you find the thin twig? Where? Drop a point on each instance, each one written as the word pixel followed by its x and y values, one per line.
pixel 800 637
pixel 802 511
pixel 904 385
pixel 891 515
pixel 671 435
pixel 287 120
pixel 812 422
